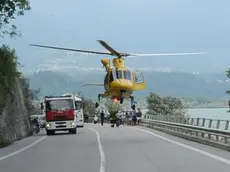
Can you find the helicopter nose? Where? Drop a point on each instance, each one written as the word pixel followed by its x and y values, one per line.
pixel 125 84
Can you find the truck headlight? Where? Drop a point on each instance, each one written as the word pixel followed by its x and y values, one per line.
pixel 73 123
pixel 48 125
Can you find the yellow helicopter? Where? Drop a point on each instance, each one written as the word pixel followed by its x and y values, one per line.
pixel 119 81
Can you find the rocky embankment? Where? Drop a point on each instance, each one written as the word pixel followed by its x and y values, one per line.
pixel 14 121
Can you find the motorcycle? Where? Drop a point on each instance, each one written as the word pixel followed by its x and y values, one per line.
pixel 118 121
pixel 113 122
pixel 95 120
pixel 36 129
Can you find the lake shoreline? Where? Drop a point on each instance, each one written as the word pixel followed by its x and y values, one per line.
pixel 208 107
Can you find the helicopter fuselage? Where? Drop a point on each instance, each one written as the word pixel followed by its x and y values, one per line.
pixel 119 83
pixel 120 88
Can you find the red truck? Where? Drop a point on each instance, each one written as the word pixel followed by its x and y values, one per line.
pixel 60 113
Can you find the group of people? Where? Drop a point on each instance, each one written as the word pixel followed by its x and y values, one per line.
pixel 130 117
pixel 133 117
pixel 104 117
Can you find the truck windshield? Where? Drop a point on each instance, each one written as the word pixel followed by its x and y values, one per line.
pixel 78 105
pixel 64 104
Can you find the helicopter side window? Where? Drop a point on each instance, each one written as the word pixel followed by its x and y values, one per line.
pixel 111 77
pixel 106 79
pixel 119 74
pixel 139 78
pixel 128 75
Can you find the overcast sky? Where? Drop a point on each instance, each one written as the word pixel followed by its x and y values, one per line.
pixel 136 26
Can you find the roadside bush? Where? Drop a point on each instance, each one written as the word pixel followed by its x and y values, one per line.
pixel 158 105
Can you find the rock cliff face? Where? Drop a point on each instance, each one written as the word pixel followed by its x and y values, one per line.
pixel 14 121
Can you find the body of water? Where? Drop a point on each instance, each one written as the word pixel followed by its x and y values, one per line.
pixel 209 113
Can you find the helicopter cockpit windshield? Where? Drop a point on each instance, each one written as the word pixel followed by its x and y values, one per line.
pixel 128 75
pixel 119 74
pixel 122 74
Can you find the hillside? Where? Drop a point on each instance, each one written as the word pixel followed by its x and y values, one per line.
pixel 163 83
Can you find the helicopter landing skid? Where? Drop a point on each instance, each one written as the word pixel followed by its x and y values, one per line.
pixel 99 98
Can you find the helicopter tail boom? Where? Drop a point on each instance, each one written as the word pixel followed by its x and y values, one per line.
pixel 94 84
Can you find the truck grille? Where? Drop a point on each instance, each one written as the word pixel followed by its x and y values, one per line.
pixel 60 118
pixel 61 126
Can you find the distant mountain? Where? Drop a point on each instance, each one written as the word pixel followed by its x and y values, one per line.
pixel 208 86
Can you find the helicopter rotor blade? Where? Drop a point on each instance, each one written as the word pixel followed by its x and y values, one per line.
pixel 113 52
pixel 69 49
pixel 110 49
pixel 167 54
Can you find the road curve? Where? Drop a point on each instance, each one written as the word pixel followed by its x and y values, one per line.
pixel 104 149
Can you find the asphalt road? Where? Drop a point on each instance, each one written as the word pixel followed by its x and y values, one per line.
pixel 98 148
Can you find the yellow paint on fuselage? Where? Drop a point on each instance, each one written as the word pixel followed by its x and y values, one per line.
pixel 120 84
pixel 119 63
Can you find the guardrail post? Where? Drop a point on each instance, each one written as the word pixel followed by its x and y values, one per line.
pixel 197 121
pixel 209 126
pixel 218 124
pixel 226 125
pixel 192 121
pixel 187 120
pixel 226 128
pixel 197 124
pixel 217 127
pixel 203 124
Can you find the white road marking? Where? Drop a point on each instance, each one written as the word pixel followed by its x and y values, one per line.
pixel 102 167
pixel 188 147
pixel 20 150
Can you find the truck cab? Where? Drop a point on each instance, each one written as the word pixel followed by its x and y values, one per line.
pixel 60 114
pixel 79 111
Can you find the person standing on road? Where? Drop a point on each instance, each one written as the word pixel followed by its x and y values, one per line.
pixel 102 117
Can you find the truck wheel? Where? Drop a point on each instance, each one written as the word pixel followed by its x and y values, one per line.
pixel 50 133
pixel 73 131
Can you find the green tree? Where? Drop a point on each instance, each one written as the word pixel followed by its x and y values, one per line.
pixel 9 10
pixel 158 105
pixel 113 107
pixel 89 107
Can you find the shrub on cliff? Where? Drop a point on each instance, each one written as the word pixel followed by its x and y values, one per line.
pixel 30 96
pixel 8 74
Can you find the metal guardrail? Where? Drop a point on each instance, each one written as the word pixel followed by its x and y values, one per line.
pixel 202 122
pixel 211 136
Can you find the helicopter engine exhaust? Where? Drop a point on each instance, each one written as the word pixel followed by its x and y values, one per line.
pixel 105 63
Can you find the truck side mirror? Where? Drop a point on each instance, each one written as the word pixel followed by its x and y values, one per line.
pixel 96 105
pixel 83 105
pixel 229 103
pixel 42 106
